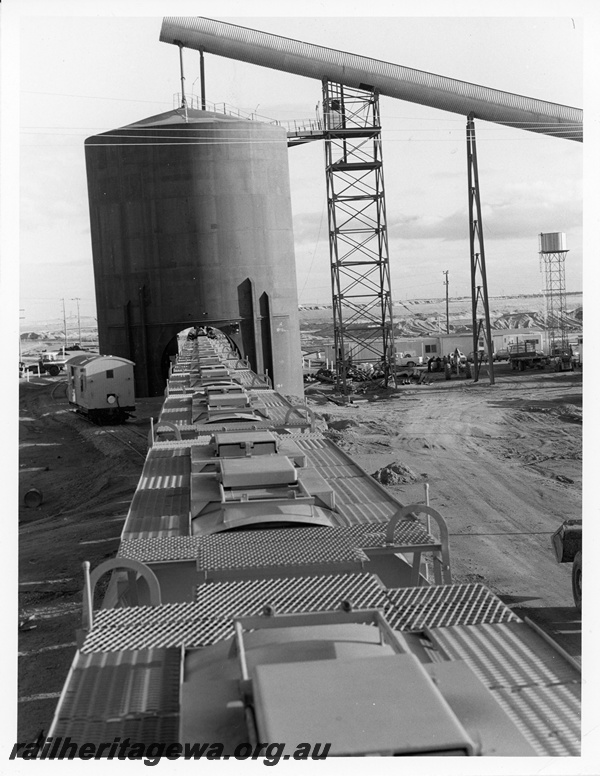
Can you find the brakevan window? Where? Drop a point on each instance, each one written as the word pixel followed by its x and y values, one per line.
pixel 110 373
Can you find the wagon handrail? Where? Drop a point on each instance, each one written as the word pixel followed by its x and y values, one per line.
pixel 415 509
pixel 171 426
pixel 91 580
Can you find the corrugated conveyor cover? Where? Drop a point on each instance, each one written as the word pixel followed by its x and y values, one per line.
pixel 404 83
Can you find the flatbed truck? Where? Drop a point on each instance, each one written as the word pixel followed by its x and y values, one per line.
pixel 525 355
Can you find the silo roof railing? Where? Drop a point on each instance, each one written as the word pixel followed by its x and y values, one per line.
pixel 292 125
pixel 435 91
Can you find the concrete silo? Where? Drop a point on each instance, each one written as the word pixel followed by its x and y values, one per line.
pixel 191 225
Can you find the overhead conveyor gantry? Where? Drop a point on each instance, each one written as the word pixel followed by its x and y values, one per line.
pixel 375 77
pixel 390 80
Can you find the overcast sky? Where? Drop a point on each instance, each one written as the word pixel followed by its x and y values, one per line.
pixel 105 68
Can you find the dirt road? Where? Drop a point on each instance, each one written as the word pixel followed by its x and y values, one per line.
pixel 503 465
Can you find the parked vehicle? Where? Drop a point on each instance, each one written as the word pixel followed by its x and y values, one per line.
pixel 28 366
pixel 567 544
pixel 524 355
pixel 54 361
pixel 501 355
pixel 578 354
pixel 407 359
pixel 562 360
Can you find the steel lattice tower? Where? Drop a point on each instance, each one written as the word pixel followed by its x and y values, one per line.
pixel 553 253
pixel 479 292
pixel 358 241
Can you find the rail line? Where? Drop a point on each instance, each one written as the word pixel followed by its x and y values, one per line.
pixel 117 432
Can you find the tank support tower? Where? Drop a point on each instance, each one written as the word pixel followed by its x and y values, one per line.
pixel 553 252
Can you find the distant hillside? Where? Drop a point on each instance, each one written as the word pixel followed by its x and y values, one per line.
pixel 427 317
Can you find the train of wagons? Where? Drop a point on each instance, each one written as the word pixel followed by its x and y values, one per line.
pixel 271 600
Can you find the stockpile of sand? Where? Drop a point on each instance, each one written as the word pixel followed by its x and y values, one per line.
pixel 395 474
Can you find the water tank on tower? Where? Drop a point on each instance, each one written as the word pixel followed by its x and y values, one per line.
pixel 553 242
pixel 191 225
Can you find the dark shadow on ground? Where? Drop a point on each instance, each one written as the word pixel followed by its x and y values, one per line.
pixel 560 405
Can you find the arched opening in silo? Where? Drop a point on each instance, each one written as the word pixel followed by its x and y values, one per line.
pixel 173 346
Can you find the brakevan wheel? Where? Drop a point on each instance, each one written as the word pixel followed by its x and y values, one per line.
pixel 576 580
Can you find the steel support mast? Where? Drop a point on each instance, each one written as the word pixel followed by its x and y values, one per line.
pixel 479 293
pixel 358 241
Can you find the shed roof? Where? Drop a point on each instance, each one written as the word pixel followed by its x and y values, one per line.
pixel 85 359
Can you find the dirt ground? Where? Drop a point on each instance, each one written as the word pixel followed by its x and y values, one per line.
pixel 87 476
pixel 503 464
pixel 504 467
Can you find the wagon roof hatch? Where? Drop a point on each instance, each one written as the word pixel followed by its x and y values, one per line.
pixel 248 490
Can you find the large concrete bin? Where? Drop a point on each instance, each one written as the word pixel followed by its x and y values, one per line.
pixel 191 225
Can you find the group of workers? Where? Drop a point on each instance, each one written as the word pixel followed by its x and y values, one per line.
pixel 455 363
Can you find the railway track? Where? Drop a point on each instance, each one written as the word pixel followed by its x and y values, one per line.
pixel 125 434
pixel 130 438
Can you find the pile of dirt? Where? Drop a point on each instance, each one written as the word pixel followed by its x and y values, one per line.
pixel 395 474
pixel 339 425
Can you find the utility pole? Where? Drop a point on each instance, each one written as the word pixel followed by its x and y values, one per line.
pixel 77 299
pixel 447 283
pixel 65 322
